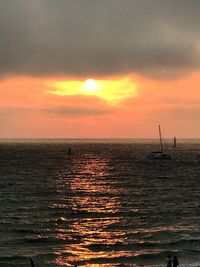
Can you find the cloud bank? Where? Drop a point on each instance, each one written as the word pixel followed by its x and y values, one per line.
pixel 95 38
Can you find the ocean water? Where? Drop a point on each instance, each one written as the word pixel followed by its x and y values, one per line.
pixel 104 205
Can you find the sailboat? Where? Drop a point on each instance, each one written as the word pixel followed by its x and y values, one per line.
pixel 159 154
pixel 174 145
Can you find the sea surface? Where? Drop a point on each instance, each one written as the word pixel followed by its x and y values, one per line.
pixel 105 204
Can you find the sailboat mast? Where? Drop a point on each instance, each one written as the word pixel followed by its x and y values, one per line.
pixel 161 144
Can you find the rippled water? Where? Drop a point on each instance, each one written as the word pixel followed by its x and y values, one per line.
pixel 106 204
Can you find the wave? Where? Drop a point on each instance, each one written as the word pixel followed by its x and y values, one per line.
pixel 196 264
pixel 9 261
pixel 23 261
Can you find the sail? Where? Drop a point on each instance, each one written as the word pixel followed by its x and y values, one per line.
pixel 174 145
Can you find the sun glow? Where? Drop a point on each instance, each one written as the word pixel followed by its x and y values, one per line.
pixel 91 86
pixel 111 91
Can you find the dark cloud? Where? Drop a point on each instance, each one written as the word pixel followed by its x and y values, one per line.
pixel 99 37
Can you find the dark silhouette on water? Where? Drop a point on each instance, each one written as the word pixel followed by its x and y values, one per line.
pixel 169 261
pixel 69 151
pixel 175 261
pixel 32 263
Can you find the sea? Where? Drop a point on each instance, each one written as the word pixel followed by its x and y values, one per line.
pixel 102 204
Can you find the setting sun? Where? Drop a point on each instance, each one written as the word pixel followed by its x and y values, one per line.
pixel 91 86
pixel 111 91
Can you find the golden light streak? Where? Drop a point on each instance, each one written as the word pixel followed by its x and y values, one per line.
pixel 111 91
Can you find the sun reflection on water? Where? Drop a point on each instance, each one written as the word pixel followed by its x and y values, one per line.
pixel 94 214
pixel 94 186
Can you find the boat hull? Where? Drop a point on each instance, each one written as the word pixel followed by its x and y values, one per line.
pixel 159 155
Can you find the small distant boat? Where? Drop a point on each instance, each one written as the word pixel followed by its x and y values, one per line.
pixel 69 151
pixel 159 154
pixel 174 145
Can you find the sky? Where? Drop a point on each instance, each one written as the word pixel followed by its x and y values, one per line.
pixel 99 68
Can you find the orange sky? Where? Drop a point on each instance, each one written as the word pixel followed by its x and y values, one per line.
pixel 102 69
pixel 121 107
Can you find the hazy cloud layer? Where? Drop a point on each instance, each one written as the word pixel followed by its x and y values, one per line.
pixel 99 37
pixel 77 111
